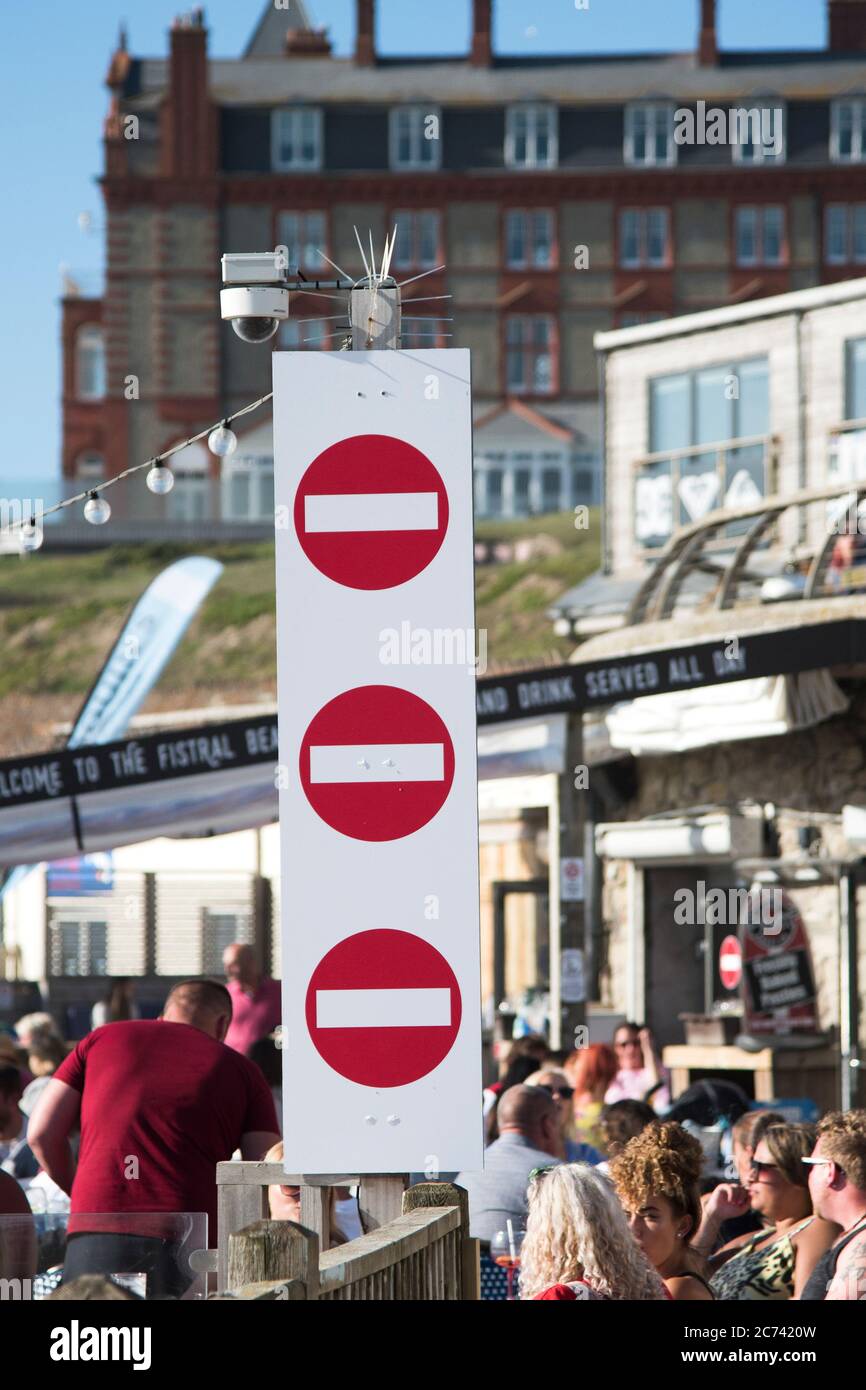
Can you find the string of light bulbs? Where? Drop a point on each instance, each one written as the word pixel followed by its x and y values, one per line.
pixel 222 441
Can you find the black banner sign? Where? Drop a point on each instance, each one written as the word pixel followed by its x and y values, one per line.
pixel 592 685
pixel 779 981
pixel 130 761
pixel 520 695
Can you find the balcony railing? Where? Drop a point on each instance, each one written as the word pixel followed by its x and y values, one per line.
pixel 838 550
pixel 678 487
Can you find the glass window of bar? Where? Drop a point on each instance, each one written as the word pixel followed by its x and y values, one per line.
pixel 716 406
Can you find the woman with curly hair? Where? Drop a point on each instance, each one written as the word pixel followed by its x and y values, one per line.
pixel 656 1177
pixel 578 1245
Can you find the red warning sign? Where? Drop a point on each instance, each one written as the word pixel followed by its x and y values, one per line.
pixel 371 512
pixel 730 962
pixel 383 1008
pixel 377 763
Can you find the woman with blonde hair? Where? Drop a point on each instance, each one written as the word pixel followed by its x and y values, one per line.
pixel 657 1178
pixel 578 1245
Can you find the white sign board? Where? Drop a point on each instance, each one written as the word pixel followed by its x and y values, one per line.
pixel 571 881
pixel 378 782
pixel 573 987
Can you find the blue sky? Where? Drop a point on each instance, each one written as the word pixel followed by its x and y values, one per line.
pixel 52 67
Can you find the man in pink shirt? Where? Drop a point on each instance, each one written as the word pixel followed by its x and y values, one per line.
pixel 255 998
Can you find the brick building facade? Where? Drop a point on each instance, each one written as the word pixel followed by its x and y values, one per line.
pixel 554 191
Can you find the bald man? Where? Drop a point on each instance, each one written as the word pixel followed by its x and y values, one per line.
pixel 529 1137
pixel 256 1000
pixel 161 1102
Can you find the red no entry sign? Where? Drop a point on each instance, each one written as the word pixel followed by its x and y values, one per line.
pixel 730 962
pixel 371 512
pixel 377 763
pixel 383 1008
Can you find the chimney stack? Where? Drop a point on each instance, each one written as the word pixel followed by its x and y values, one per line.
pixel 308 43
pixel 189 124
pixel 708 52
pixel 482 37
pixel 365 33
pixel 847 26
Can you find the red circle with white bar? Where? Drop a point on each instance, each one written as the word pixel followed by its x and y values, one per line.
pixel 377 763
pixel 371 512
pixel 730 962
pixel 383 1008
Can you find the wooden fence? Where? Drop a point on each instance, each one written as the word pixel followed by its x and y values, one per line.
pixel 416 1244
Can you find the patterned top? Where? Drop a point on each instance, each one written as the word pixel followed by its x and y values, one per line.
pixel 587 1125
pixel 760 1274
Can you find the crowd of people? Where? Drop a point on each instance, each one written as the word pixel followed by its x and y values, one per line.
pixel 607 1190
pixel 123 1130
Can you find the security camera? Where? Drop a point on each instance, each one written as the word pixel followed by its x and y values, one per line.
pixel 256 297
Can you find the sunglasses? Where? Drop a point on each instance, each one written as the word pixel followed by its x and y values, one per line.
pixel 813 1162
pixel 558 1092
pixel 759 1167
pixel 536 1174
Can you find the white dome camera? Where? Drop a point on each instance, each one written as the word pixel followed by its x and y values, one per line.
pixel 255 297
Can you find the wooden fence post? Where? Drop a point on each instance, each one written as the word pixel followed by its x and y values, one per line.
pixel 238 1203
pixel 448 1194
pixel 316 1212
pixel 269 1251
pixel 380 1200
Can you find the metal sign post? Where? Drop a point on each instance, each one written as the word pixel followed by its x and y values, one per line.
pixel 567 956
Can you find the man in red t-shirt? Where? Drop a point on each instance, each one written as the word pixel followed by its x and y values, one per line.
pixel 161 1102
pixel 256 1000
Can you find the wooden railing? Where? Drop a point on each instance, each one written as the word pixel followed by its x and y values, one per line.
pixel 416 1246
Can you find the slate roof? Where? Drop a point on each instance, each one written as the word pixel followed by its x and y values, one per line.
pixel 598 79
pixel 269 34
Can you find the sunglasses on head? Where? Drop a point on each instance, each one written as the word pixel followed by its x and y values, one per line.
pixel 536 1174
pixel 813 1162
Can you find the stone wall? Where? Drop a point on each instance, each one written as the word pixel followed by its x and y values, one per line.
pixel 811 773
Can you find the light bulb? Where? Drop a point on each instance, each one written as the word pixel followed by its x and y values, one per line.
pixel 96 510
pixel 222 441
pixel 30 536
pixel 160 479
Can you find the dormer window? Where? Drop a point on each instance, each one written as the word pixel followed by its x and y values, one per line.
pixel 415 137
pixel 531 137
pixel 649 134
pixel 296 138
